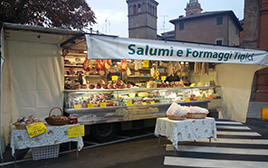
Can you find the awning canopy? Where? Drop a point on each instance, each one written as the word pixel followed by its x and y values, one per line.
pixel 103 47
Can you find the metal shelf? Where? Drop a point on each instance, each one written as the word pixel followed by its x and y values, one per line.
pixel 139 89
pixel 113 108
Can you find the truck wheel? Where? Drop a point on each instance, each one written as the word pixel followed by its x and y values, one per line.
pixel 104 132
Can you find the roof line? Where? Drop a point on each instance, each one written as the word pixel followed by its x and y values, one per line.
pixel 207 14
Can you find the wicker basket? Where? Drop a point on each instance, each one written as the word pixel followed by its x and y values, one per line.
pixel 53 121
pixel 45 152
pixel 173 117
pixel 196 115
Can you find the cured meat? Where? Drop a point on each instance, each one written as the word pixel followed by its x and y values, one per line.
pixel 87 65
pixel 98 65
pixel 170 69
pixel 109 61
pixel 106 65
pixel 197 67
pixel 204 69
pixel 123 66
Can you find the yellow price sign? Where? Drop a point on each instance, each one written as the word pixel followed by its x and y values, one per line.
pixel 76 131
pixel 187 99
pixel 163 78
pixel 145 64
pixel 143 103
pixel 114 78
pixel 77 106
pixel 90 105
pixel 35 129
pixel 129 103
pixel 152 102
pixel 103 104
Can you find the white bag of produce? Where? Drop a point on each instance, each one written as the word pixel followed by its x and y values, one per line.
pixel 177 110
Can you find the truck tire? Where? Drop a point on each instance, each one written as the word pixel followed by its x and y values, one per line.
pixel 104 132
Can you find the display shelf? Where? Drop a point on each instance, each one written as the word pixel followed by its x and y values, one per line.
pixel 94 76
pixel 134 76
pixel 141 69
pixel 74 66
pixel 112 108
pixel 140 89
pixel 87 76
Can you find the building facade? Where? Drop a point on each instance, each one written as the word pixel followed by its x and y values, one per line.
pixel 255 24
pixel 220 27
pixel 142 19
pixel 255 35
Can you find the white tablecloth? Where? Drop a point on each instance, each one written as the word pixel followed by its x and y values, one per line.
pixel 186 130
pixel 20 139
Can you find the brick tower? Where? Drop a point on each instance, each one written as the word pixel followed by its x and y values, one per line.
pixel 193 8
pixel 142 19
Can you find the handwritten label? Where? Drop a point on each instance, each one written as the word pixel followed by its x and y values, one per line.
pixel 114 78
pixel 76 131
pixel 152 102
pixel 129 103
pixel 35 129
pixel 90 105
pixel 77 106
pixel 163 78
pixel 145 64
pixel 103 104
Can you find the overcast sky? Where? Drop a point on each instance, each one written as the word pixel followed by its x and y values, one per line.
pixel 112 14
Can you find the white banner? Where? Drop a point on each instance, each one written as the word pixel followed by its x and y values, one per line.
pixel 104 47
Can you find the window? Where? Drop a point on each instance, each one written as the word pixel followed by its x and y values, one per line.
pixel 219 20
pixel 139 8
pixel 181 26
pixel 218 42
pixel 134 9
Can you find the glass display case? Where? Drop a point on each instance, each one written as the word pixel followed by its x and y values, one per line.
pixel 111 105
pixel 125 90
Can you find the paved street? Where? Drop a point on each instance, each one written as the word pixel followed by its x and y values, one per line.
pixel 237 145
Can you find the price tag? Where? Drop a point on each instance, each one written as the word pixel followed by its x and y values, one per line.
pixel 163 78
pixel 129 103
pixel 90 105
pixel 114 78
pixel 76 131
pixel 103 104
pixel 35 129
pixel 145 64
pixel 187 99
pixel 152 102
pixel 143 103
pixel 77 106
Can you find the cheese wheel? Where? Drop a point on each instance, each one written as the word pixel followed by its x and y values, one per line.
pixel 143 94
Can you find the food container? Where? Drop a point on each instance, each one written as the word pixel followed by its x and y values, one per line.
pixel 196 115
pixel 56 120
pixel 73 120
pixel 173 117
